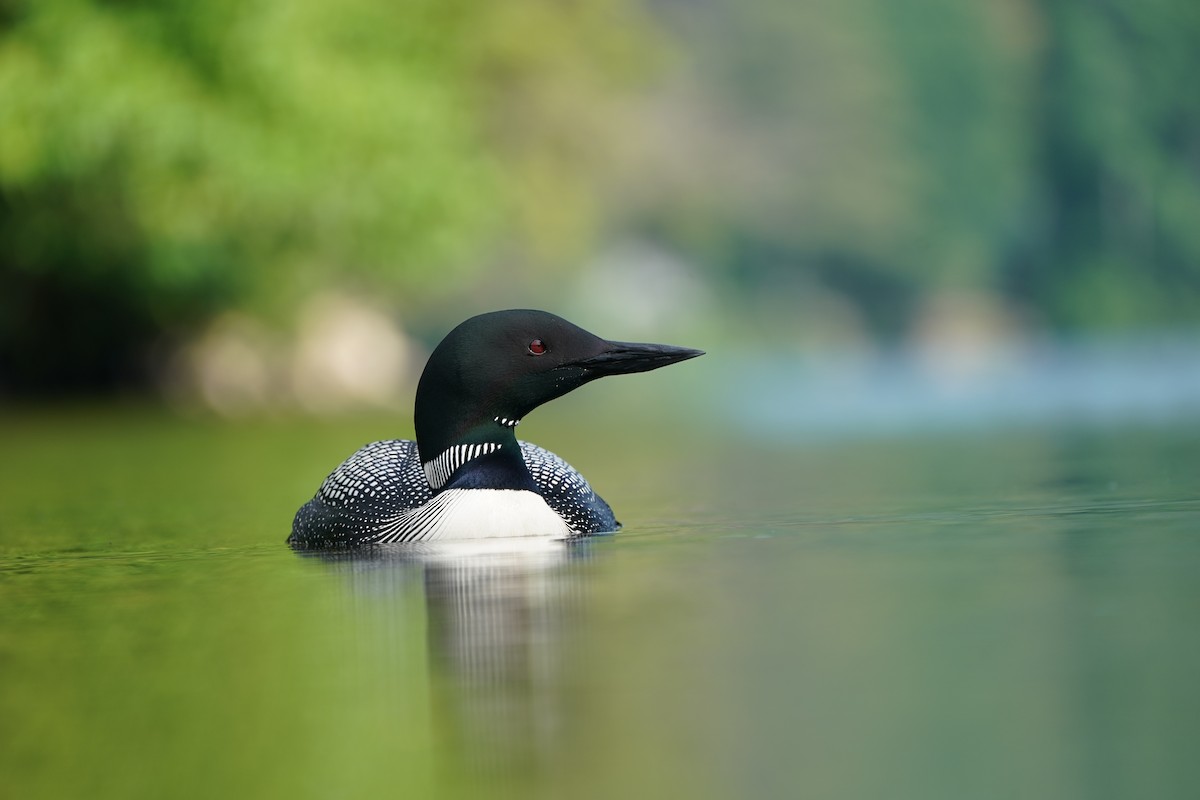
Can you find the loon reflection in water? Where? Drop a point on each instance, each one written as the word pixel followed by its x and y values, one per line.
pixel 497 615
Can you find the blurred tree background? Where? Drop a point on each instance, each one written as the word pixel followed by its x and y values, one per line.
pixel 838 165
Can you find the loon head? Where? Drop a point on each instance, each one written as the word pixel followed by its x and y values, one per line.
pixel 495 368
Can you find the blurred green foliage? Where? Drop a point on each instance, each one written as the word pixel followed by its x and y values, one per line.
pixel 1120 159
pixel 161 162
pixel 1045 151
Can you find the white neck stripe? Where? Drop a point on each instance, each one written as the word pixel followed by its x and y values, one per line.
pixel 439 470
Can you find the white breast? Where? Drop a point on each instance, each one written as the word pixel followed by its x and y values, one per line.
pixel 477 514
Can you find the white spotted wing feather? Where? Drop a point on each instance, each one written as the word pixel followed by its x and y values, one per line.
pixel 382 494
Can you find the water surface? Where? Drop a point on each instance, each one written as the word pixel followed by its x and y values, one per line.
pixel 1010 614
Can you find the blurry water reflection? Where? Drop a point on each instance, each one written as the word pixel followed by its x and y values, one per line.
pixel 498 614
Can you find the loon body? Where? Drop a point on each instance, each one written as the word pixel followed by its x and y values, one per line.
pixel 467 476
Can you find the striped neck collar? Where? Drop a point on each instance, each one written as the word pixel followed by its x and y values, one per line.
pixel 439 470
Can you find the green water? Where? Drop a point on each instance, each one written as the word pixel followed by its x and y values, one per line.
pixel 990 616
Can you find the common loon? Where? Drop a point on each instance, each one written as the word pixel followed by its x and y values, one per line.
pixel 466 476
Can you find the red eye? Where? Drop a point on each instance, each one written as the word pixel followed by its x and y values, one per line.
pixel 537 347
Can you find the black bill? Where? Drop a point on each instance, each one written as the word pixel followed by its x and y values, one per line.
pixel 623 357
